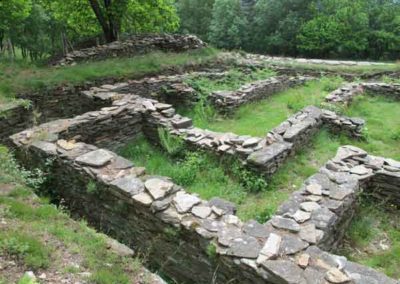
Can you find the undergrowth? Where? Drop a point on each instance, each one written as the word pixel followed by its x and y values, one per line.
pixel 36 234
pixel 197 171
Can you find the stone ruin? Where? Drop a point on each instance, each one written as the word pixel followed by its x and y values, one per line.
pixel 135 45
pixel 193 240
pixel 345 94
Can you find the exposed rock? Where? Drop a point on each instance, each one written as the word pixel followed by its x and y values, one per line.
pixel 129 184
pixel 184 202
pixel 270 249
pixel 97 158
pixel 158 188
pixel 285 223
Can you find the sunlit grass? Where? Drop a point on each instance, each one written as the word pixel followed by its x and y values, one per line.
pixel 19 76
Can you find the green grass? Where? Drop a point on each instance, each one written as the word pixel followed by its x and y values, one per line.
pixel 258 117
pixel 358 70
pixel 371 227
pixel 25 247
pixel 196 171
pixel 16 77
pixel 36 230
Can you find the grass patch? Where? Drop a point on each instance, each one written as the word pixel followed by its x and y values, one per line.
pixel 25 247
pixel 196 171
pixel 354 69
pixel 16 77
pixel 259 117
pixel 373 238
pixel 36 231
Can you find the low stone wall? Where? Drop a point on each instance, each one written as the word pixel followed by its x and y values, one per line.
pixel 177 229
pixel 135 45
pixel 227 101
pixel 170 89
pixel 346 93
pixel 296 132
pixel 14 117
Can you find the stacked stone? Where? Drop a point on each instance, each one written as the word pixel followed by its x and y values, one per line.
pixel 227 101
pixel 14 117
pixel 140 209
pixel 135 45
pixel 351 126
pixel 280 60
pixel 163 115
pixel 296 132
pixel 389 90
pixel 346 93
pixel 168 89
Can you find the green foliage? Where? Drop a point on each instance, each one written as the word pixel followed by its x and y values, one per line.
pixel 195 16
pixel 251 181
pixel 171 143
pixel 26 279
pixel 25 248
pixel 227 29
pixel 21 77
pixel 211 251
pixel 91 187
pixel 9 165
pixel 339 29
pixel 106 276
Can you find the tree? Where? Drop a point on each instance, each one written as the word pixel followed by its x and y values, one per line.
pixel 339 28
pixel 12 13
pixel 276 25
pixel 227 25
pixel 195 16
pixel 111 17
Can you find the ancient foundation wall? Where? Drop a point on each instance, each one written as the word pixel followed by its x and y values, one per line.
pixel 14 117
pixel 346 93
pixel 193 240
pixel 135 45
pixel 227 101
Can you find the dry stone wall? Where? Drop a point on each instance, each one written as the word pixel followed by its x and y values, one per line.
pixel 198 241
pixel 227 101
pixel 135 45
pixel 346 93
pixel 170 89
pixel 14 117
pixel 177 228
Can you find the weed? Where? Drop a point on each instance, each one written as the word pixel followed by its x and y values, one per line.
pixel 25 248
pixel 26 279
pixel 9 165
pixel 211 251
pixel 109 276
pixel 91 187
pixel 171 143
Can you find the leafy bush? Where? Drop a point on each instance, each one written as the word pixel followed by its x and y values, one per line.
pixel 9 165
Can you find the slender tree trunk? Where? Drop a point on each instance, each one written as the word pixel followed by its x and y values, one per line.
pixel 105 19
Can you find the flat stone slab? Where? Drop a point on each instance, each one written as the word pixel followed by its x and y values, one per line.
pixel 130 184
pixel 270 249
pixel 158 188
pixel 285 223
pixel 244 247
pixel 184 202
pixel 268 153
pixel 284 271
pixel 97 158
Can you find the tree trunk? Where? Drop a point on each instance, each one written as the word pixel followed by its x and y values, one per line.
pixel 105 19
